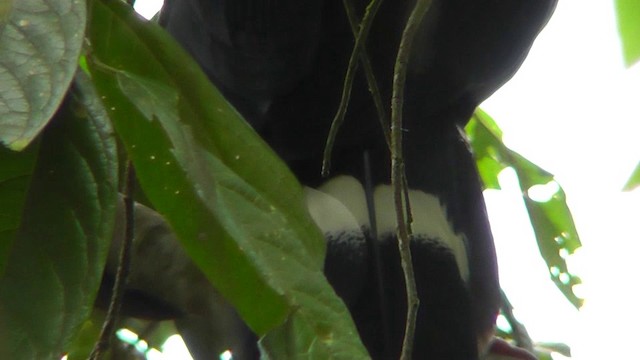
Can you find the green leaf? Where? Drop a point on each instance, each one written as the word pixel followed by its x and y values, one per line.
pixel 634 180
pixel 628 15
pixel 39 49
pixel 55 262
pixel 86 338
pixel 483 134
pixel 550 216
pixel 5 10
pixel 15 172
pixel 552 223
pixel 233 204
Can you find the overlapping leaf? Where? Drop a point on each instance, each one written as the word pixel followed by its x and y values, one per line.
pixel 551 219
pixel 55 262
pixel 40 41
pixel 233 204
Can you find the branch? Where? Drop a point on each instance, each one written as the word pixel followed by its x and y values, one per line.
pixel 520 334
pixel 398 176
pixel 361 39
pixel 374 89
pixel 108 328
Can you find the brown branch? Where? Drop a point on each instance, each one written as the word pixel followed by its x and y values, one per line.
pixel 108 328
pixel 398 174
pixel 367 67
pixel 361 39
pixel 519 332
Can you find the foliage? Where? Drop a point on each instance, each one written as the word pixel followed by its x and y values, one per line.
pixel 551 219
pixel 199 164
pixel 627 13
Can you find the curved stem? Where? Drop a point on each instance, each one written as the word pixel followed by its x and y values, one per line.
pixel 122 273
pixel 397 170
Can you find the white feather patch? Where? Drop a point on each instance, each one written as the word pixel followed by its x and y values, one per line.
pixel 430 221
pixel 330 214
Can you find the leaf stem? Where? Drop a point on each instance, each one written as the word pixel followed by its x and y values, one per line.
pixel 108 328
pixel 398 177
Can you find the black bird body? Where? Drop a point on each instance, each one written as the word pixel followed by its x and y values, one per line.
pixel 282 65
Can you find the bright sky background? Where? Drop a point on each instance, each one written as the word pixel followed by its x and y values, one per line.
pixel 572 110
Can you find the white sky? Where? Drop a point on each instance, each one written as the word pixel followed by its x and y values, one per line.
pixel 572 110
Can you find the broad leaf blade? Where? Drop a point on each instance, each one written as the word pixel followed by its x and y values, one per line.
pixel 551 218
pixel 55 263
pixel 232 203
pixel 39 49
pixel 628 13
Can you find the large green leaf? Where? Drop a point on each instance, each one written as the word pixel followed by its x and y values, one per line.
pixel 233 204
pixel 39 48
pixel 15 171
pixel 55 263
pixel 550 216
pixel 628 15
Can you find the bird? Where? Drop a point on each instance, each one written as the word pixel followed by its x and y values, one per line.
pixel 282 65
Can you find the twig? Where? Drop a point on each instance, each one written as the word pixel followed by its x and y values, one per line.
pixel 374 89
pixel 108 328
pixel 361 39
pixel 520 334
pixel 397 170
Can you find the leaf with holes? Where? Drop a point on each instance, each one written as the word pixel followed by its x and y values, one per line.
pixel 39 48
pixel 550 217
pixel 54 265
pixel 235 207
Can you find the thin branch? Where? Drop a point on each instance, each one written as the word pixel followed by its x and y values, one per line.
pixel 108 328
pixel 361 39
pixel 520 334
pixel 397 170
pixel 374 89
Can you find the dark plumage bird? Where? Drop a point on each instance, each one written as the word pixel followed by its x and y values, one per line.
pixel 282 64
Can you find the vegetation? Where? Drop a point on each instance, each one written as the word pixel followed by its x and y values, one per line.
pixel 85 86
